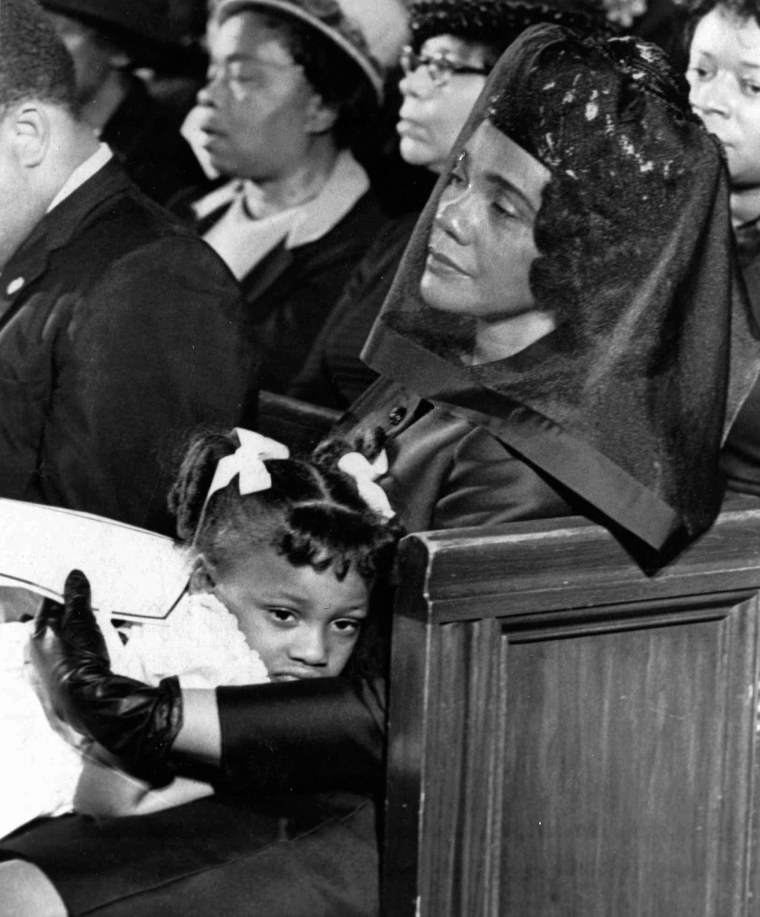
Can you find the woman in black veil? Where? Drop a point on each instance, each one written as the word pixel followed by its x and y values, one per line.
pixel 600 365
pixel 593 369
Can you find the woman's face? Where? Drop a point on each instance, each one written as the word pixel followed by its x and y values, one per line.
pixel 432 116
pixel 481 245
pixel 724 75
pixel 257 106
pixel 302 623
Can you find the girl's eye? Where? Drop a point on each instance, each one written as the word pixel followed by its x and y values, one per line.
pixel 282 615
pixel 348 626
pixel 751 88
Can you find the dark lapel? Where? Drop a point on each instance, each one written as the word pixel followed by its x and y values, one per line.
pixel 267 272
pixel 54 231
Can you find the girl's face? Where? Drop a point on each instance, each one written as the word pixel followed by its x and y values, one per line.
pixel 302 623
pixel 481 244
pixel 431 116
pixel 724 75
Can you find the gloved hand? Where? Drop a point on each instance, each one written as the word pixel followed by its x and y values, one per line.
pixel 135 722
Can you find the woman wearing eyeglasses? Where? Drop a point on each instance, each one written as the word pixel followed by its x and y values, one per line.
pixel 455 44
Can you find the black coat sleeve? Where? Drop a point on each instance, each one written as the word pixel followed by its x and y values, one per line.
pixel 153 351
pixel 316 735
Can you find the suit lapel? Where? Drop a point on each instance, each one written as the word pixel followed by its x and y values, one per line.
pixel 52 232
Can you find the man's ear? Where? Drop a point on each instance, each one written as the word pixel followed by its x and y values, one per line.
pixel 320 117
pixel 202 578
pixel 31 133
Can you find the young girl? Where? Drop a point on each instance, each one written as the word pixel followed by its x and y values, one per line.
pixel 289 560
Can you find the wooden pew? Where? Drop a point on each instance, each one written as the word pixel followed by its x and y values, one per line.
pixel 296 423
pixel 570 737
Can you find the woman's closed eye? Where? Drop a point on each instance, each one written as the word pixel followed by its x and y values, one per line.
pixel 505 208
pixel 457 178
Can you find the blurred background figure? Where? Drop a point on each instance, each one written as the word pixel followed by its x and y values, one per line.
pixel 454 45
pixel 723 38
pixel 120 330
pixel 109 41
pixel 292 87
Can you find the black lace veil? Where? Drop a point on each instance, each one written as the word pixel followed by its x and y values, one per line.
pixel 627 400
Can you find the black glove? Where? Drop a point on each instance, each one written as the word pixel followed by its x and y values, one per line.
pixel 135 722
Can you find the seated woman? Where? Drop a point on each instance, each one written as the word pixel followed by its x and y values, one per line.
pixel 455 44
pixel 291 86
pixel 724 60
pixel 561 317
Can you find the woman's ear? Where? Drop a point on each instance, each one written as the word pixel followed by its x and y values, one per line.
pixel 320 117
pixel 202 578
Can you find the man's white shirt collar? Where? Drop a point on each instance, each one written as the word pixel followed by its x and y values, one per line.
pixel 82 173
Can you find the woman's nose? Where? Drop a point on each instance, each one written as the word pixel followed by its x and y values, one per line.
pixel 203 96
pixel 417 83
pixel 454 215
pixel 208 92
pixel 309 647
pixel 712 96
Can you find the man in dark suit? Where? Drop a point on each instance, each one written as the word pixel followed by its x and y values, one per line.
pixel 119 330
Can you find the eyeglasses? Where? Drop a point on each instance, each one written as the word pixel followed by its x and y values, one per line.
pixel 439 67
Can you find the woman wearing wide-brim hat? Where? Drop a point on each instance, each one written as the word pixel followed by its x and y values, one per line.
pixel 293 87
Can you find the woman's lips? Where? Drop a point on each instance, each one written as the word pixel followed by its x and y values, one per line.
pixel 437 259
pixel 410 129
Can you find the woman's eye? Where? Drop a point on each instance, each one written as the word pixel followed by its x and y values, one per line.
pixel 456 179
pixel 698 72
pixel 504 209
pixel 751 88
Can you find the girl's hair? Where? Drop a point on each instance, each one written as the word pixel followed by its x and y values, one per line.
pixel 312 515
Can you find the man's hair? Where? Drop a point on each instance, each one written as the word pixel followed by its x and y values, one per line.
pixel 34 64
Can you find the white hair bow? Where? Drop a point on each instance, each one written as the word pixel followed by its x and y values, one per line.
pixel 247 461
pixel 365 474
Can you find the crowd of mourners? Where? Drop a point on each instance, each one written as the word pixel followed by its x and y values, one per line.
pixel 513 244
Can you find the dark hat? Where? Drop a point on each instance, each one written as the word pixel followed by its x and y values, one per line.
pixel 370 32
pixel 149 22
pixel 499 21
